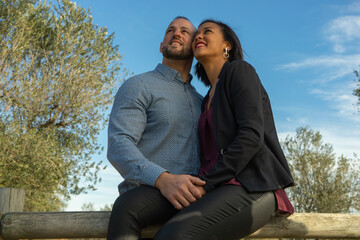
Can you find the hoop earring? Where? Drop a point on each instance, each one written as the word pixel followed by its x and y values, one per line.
pixel 226 54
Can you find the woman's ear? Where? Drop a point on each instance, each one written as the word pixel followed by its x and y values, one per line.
pixel 228 45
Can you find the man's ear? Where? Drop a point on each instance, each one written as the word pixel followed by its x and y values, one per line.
pixel 161 45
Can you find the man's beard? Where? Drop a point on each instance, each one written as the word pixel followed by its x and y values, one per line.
pixel 176 55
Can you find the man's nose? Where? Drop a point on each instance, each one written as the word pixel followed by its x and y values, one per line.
pixel 177 33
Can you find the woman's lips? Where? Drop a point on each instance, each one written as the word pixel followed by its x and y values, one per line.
pixel 200 44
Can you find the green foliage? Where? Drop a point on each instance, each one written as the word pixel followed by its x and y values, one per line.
pixel 58 73
pixel 107 207
pixel 324 183
pixel 356 91
pixel 90 207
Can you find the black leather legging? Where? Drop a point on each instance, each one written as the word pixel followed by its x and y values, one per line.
pixel 228 212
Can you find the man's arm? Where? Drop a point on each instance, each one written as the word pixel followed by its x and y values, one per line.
pixel 127 122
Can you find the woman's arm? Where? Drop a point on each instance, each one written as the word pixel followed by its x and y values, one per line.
pixel 243 91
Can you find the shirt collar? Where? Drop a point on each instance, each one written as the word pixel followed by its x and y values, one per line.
pixel 171 73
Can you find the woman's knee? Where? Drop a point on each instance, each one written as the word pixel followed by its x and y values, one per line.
pixel 263 210
pixel 170 232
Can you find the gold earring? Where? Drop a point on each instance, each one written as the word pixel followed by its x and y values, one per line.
pixel 226 54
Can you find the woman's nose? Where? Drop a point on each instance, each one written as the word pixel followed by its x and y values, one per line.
pixel 198 36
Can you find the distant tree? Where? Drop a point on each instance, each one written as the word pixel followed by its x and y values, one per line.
pixel 356 91
pixel 107 207
pixel 58 73
pixel 90 207
pixel 324 183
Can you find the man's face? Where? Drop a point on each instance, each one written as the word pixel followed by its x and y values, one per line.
pixel 177 41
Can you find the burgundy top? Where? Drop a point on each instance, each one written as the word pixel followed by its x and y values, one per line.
pixel 209 155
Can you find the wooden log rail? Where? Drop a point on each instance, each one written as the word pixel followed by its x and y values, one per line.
pixel 55 225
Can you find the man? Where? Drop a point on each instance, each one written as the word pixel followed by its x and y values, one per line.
pixel 153 140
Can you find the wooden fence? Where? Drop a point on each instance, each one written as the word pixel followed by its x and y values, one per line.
pixel 56 225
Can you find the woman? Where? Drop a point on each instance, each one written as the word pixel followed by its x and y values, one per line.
pixel 241 159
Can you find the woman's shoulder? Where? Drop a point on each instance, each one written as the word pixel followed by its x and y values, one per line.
pixel 237 68
pixel 240 64
pixel 239 72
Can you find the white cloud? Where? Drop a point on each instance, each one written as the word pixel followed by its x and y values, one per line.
pixel 339 48
pixel 344 33
pixel 341 99
pixel 346 141
pixel 325 61
pixel 327 68
pixel 354 7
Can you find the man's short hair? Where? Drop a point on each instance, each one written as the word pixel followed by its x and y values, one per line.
pixel 181 17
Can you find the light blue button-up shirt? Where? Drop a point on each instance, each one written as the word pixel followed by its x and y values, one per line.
pixel 153 128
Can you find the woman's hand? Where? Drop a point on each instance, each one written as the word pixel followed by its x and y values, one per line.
pixel 202 190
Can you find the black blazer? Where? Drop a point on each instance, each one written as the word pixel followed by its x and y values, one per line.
pixel 245 133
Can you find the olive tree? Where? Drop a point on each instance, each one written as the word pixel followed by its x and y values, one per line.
pixel 58 73
pixel 324 182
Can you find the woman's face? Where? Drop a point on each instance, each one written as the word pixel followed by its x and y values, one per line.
pixel 209 43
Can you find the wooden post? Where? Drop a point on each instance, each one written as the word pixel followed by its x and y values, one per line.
pixel 60 225
pixel 11 200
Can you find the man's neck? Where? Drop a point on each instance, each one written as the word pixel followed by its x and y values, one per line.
pixel 182 66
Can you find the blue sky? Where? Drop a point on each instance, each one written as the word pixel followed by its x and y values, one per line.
pixel 304 51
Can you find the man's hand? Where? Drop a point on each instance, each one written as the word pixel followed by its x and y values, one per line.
pixel 180 190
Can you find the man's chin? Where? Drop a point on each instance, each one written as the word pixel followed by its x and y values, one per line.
pixel 177 55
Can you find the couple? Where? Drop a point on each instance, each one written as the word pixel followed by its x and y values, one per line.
pixel 207 168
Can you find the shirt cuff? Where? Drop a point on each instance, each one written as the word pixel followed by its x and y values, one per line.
pixel 151 174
